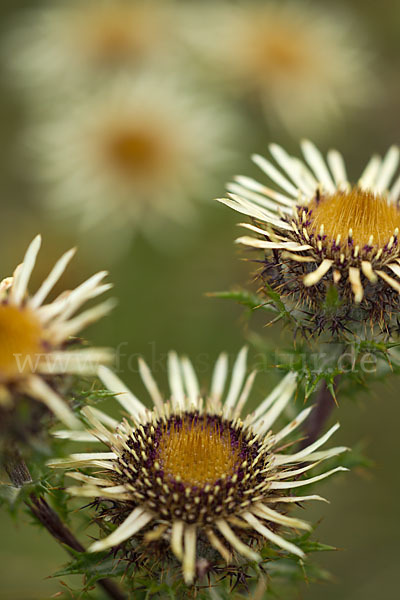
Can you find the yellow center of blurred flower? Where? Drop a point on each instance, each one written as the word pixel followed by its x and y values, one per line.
pixel 111 34
pixel 365 213
pixel 20 341
pixel 133 151
pixel 280 51
pixel 277 48
pixel 197 452
pixel 112 42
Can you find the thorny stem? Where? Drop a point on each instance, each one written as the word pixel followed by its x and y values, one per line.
pixel 19 475
pixel 314 425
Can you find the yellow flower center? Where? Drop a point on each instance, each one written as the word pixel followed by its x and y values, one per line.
pixel 197 452
pixel 113 42
pixel 133 151
pixel 20 341
pixel 280 51
pixel 116 33
pixel 362 212
pixel 277 48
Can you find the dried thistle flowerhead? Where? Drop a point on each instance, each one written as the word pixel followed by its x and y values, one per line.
pixel 191 479
pixel 35 335
pixel 318 231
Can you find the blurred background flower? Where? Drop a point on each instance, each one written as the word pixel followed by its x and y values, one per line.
pixel 131 158
pixel 304 64
pixel 89 39
pixel 54 67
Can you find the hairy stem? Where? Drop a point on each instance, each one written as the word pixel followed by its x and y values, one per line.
pixel 39 507
pixel 52 522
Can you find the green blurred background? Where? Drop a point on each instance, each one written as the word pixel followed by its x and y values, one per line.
pixel 162 305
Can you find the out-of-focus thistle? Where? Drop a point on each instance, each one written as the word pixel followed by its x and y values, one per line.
pixel 303 63
pixel 190 476
pixel 35 336
pixel 130 157
pixel 79 42
pixel 319 232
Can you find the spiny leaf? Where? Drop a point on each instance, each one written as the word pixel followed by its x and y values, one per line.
pixel 251 301
pixel 9 494
pixel 308 545
pixel 93 566
pixel 332 300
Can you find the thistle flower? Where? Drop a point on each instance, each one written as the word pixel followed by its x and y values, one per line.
pixel 87 39
pixel 190 472
pixel 302 63
pixel 129 158
pixel 34 336
pixel 319 230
